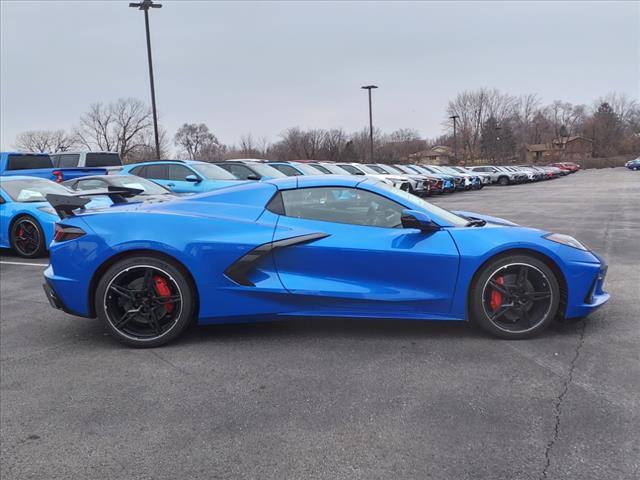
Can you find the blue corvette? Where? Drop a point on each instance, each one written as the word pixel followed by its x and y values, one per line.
pixel 26 218
pixel 311 246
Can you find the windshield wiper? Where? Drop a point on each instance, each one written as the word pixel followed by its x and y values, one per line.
pixel 476 222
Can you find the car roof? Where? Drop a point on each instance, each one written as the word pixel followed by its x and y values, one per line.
pixel 305 181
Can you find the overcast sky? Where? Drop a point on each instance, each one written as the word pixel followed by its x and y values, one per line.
pixel 264 67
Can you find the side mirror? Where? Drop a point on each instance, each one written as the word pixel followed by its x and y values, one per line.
pixel 193 179
pixel 253 177
pixel 419 220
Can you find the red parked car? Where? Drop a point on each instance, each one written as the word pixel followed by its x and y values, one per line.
pixel 567 166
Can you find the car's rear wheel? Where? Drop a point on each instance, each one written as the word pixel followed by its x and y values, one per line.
pixel 145 301
pixel 515 297
pixel 503 181
pixel 27 237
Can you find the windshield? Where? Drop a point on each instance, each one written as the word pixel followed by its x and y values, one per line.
pixel 414 202
pixel 367 170
pixel 321 168
pixel 29 191
pixel 351 169
pixel 102 160
pixel 266 170
pixel 309 169
pixel 377 168
pixel 19 161
pixel 129 181
pixel 212 172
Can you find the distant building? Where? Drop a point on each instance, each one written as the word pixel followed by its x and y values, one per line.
pixel 438 155
pixel 572 148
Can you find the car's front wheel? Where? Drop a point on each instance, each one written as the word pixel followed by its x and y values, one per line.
pixel 145 301
pixel 515 297
pixel 27 237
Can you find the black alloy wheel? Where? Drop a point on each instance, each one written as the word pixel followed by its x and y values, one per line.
pixel 27 237
pixel 144 301
pixel 515 297
pixel 503 181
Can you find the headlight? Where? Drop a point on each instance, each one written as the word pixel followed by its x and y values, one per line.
pixel 567 240
pixel 48 210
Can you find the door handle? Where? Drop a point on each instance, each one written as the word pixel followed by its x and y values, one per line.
pixel 171 184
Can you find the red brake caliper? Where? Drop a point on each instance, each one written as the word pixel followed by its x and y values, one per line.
pixel 164 291
pixel 496 296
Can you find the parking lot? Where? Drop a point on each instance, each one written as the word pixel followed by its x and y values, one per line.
pixel 337 399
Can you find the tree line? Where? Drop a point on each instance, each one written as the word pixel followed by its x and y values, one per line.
pixel 490 125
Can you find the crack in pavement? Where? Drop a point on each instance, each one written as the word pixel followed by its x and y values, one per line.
pixel 557 408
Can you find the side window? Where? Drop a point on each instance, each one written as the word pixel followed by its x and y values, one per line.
pixel 158 172
pixel 342 205
pixel 240 171
pixel 68 160
pixel 55 160
pixel 179 172
pixel 90 184
pixel 288 170
pixel 139 171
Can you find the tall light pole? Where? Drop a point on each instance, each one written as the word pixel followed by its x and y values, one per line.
pixel 370 87
pixel 455 138
pixel 145 5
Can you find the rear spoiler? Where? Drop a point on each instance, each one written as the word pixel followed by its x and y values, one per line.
pixel 64 205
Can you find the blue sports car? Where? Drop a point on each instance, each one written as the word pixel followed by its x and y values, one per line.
pixel 26 218
pixel 311 246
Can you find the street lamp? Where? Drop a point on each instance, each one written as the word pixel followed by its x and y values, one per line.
pixel 455 138
pixel 145 5
pixel 369 88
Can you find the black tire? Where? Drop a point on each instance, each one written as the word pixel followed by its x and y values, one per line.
pixel 525 303
pixel 503 181
pixel 27 237
pixel 133 307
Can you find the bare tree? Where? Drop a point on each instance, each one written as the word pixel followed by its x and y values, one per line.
pixel 196 140
pixel 42 141
pixel 146 150
pixel 334 145
pixel 119 126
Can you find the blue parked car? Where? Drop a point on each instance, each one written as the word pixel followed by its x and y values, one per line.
pixel 183 176
pixel 26 218
pixel 312 246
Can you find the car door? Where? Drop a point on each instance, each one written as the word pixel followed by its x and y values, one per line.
pixel 177 180
pixel 367 264
pixel 5 220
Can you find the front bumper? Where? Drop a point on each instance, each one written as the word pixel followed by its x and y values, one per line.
pixel 587 294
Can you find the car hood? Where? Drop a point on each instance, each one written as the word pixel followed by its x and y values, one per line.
pixel 487 218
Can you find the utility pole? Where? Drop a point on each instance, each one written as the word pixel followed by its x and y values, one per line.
pixel 455 138
pixel 369 88
pixel 145 5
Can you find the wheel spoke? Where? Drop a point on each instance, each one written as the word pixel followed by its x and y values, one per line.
pixel 165 300
pixel 522 277
pixel 536 296
pixel 122 291
pixel 524 315
pixel 153 321
pixel 147 282
pixel 127 317
pixel 499 313
pixel 500 288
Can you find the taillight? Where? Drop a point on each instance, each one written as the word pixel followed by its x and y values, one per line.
pixel 62 233
pixel 59 176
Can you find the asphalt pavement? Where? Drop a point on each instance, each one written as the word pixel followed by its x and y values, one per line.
pixel 337 399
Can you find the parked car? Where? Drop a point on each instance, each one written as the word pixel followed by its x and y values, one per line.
pixel 478 179
pixel 250 169
pixel 324 246
pixel 398 181
pixel 110 161
pixel 458 179
pixel 183 176
pixel 148 190
pixel 436 184
pixel 40 165
pixel 420 184
pixel 569 167
pixel 633 164
pixel 449 183
pixel 26 218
